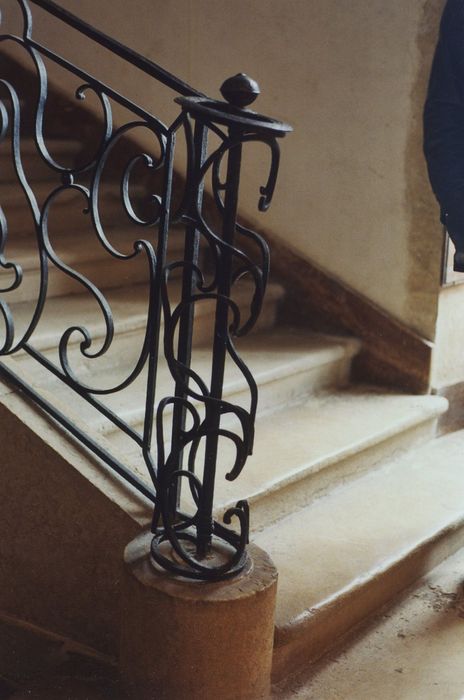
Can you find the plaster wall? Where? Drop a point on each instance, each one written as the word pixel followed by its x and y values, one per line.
pixel 350 77
pixel 448 357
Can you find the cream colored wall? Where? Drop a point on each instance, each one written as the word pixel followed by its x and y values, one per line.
pixel 448 356
pixel 350 77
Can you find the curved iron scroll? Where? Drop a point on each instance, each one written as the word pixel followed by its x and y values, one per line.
pixel 191 424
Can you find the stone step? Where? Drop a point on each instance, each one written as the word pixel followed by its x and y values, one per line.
pixel 129 309
pixel 303 451
pixel 412 651
pixel 285 364
pixel 86 255
pixel 68 210
pixel 352 551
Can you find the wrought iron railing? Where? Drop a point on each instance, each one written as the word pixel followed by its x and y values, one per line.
pixel 193 544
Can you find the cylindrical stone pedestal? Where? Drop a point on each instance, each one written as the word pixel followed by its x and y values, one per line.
pixel 196 641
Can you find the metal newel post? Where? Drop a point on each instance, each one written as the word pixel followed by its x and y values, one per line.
pixel 197 545
pixel 239 91
pixel 213 417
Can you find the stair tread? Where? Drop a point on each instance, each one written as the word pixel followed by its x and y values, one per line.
pixel 300 440
pixel 128 304
pixel 271 355
pixel 349 537
pixel 414 652
pixel 365 416
pixel 286 350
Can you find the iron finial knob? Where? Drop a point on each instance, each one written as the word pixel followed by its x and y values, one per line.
pixel 240 90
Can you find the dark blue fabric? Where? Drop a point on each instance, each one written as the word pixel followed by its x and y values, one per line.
pixel 444 121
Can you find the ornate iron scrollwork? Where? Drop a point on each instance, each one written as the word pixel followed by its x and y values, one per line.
pixel 202 547
pixel 193 545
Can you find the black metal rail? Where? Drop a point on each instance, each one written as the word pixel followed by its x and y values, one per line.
pixel 191 544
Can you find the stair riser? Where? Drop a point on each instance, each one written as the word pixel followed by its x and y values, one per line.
pixel 291 388
pixel 326 627
pixel 267 508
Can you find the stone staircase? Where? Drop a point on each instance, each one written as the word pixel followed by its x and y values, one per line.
pixel 350 491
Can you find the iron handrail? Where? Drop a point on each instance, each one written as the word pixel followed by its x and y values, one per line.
pixel 193 545
pixel 136 59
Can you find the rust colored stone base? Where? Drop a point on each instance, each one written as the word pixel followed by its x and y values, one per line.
pixel 201 641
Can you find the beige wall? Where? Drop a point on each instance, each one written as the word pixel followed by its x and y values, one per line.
pixel 350 77
pixel 448 356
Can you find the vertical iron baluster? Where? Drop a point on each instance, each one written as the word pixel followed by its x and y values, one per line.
pixel 196 545
pixel 213 408
pixel 186 321
pixel 154 312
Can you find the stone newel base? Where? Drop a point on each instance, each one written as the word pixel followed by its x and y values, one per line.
pixel 189 641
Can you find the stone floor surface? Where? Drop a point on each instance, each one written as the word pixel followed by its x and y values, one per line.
pixel 413 651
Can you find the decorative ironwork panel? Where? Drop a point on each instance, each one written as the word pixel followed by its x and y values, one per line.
pixel 182 432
